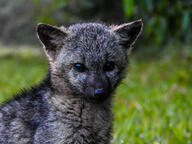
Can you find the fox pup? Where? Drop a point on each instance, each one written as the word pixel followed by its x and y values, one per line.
pixel 72 105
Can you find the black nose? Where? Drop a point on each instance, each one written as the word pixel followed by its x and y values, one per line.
pixel 99 92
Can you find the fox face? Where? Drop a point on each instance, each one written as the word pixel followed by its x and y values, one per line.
pixel 88 60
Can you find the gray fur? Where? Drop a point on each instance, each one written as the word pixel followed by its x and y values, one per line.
pixel 64 109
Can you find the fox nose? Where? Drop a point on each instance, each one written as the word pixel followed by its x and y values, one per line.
pixel 99 92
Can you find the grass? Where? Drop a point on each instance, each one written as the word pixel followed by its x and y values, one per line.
pixel 151 106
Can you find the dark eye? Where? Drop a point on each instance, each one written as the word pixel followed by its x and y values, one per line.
pixel 79 67
pixel 109 66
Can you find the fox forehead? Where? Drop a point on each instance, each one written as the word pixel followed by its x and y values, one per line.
pixel 91 39
pixel 92 36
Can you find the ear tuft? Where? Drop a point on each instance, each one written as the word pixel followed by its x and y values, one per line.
pixel 128 32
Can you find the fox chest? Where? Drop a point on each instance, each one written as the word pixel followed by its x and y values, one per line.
pixel 73 131
pixel 71 128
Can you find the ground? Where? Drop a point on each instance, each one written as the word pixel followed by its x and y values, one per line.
pixel 151 106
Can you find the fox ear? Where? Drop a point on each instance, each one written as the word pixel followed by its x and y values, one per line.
pixel 51 37
pixel 128 32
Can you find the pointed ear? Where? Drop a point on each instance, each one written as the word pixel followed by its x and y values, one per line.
pixel 51 37
pixel 128 32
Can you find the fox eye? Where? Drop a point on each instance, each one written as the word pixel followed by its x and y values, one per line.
pixel 79 67
pixel 109 66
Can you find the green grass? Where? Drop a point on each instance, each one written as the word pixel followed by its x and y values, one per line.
pixel 20 68
pixel 153 104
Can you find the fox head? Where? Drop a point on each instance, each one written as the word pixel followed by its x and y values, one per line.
pixel 88 60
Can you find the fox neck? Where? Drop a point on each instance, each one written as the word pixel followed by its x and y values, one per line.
pixel 66 100
pixel 88 114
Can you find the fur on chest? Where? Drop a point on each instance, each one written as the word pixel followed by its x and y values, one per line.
pixel 79 119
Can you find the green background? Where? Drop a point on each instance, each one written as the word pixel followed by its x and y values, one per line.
pixel 153 103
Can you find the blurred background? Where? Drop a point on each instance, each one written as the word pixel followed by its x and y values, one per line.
pixel 153 103
pixel 164 21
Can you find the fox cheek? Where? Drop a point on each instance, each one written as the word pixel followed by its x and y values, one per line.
pixel 77 81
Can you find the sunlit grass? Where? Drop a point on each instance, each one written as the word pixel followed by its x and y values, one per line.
pixel 151 106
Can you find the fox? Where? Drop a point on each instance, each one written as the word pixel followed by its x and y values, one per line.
pixel 73 104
